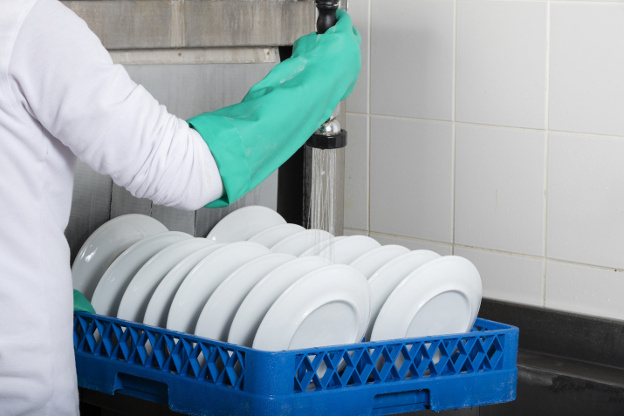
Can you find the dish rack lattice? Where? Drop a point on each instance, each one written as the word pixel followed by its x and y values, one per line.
pixel 198 376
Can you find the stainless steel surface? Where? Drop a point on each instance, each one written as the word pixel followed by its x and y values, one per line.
pixel 330 127
pixel 136 24
pixel 232 55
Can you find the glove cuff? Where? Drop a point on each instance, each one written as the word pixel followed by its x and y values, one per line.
pixel 228 150
pixel 81 304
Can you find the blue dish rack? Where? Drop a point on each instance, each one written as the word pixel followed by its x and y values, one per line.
pixel 198 376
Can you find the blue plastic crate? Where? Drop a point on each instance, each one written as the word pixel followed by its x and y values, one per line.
pixel 197 376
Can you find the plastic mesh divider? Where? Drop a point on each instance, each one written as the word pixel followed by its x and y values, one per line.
pixel 158 349
pixel 304 372
pixel 349 375
pixel 473 352
pixel 160 354
pixel 480 350
pixel 495 353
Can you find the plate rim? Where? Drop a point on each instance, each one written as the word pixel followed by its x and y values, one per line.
pixel 293 237
pixel 437 288
pixel 311 278
pixel 129 254
pixel 184 289
pixel 209 307
pixel 241 324
pixel 233 218
pixel 383 247
pixel 146 276
pixel 349 241
pixel 78 264
pixel 169 277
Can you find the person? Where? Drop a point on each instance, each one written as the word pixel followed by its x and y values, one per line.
pixel 62 98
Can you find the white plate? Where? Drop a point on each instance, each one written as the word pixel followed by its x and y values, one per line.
pixel 264 293
pixel 386 279
pixel 199 284
pixel 298 243
pixel 138 293
pixel 160 302
pixel 329 306
pixel 241 224
pixel 274 234
pixel 371 261
pixel 345 250
pixel 317 248
pixel 442 297
pixel 105 244
pixel 114 282
pixel 218 313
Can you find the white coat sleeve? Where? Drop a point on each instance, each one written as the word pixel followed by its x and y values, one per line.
pixel 92 106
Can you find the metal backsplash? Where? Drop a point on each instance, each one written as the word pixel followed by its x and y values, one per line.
pixel 193 56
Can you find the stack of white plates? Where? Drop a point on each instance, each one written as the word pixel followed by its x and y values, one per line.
pixel 258 281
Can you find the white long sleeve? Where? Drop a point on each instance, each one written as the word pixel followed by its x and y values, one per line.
pixel 61 98
pixel 68 82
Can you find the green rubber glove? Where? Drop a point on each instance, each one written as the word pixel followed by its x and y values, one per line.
pixel 81 304
pixel 250 140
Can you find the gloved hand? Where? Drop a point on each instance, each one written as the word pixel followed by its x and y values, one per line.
pixel 252 139
pixel 81 304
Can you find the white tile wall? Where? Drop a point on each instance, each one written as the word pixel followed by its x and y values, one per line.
pixel 507 277
pixel 586 199
pixel 586 67
pixel 358 100
pixel 585 290
pixel 356 173
pixel 522 173
pixel 411 178
pixel 412 58
pixel 499 191
pixel 501 63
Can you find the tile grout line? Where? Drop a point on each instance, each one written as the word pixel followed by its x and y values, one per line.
pixel 498 126
pixel 495 251
pixel 546 146
pixel 369 22
pixel 454 130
